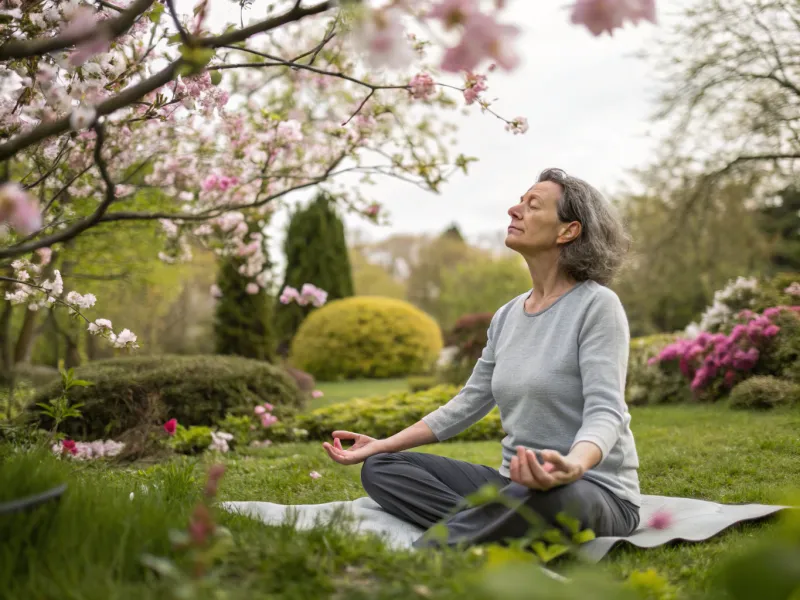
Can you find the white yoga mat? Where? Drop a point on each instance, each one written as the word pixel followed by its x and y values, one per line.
pixel 692 520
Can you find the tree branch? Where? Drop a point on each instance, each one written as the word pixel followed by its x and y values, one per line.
pixel 181 31
pixel 83 224
pixel 16 49
pixel 241 35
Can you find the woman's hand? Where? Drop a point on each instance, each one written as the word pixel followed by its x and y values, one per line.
pixel 363 448
pixel 557 469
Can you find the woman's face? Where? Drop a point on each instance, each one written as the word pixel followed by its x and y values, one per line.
pixel 535 227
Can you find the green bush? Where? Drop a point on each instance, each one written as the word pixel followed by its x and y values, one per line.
pixel 420 383
pixel 366 336
pixel 764 392
pixel 383 416
pixel 650 384
pixel 135 392
pixel 190 440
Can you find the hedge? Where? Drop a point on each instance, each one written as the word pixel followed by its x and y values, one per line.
pixel 129 393
pixel 368 337
pixel 383 416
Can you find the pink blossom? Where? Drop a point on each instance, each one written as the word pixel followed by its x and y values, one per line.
pixel 259 410
pixel 288 295
pixel 661 519
pixel 171 426
pixel 215 291
pixel 19 209
pixel 267 420
pixel 69 447
pixel 793 289
pixel 372 210
pixel 474 85
pixel 382 38
pixel 422 86
pixel 317 394
pixel 252 288
pixel 454 12
pixel 314 475
pixel 483 37
pixel 607 15
pixel 268 406
pixel 518 125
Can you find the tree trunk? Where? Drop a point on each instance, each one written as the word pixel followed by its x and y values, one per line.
pixel 27 335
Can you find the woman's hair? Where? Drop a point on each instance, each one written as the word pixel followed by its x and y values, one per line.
pixel 599 251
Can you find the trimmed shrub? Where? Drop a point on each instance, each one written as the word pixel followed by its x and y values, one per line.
pixel 383 416
pixel 135 392
pixel 764 392
pixel 366 336
pixel 649 384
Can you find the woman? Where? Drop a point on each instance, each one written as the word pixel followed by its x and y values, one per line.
pixel 555 364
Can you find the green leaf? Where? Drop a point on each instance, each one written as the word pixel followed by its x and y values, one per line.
pixel 497 555
pixel 82 383
pixel 571 523
pixel 174 39
pixel 548 553
pixel 155 14
pixel 484 495
pixel 587 535
pixel 216 77
pixel 552 536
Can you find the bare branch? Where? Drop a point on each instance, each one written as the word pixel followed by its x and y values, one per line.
pixel 181 31
pixel 241 35
pixel 15 49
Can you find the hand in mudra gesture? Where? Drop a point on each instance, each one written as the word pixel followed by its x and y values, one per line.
pixel 557 469
pixel 362 448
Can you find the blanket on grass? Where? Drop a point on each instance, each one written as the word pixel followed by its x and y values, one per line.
pixel 690 520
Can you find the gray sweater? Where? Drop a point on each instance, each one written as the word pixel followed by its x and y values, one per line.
pixel 558 377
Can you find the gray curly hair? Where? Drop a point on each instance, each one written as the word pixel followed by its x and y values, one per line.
pixel 600 250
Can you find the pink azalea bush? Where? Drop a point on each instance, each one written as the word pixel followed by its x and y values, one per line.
pixel 717 361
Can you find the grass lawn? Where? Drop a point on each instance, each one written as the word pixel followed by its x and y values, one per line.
pixel 341 391
pixel 88 546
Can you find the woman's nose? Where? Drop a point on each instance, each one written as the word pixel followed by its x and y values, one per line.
pixel 514 211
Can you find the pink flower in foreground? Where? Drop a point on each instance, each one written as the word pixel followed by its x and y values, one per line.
pixel 661 519
pixel 170 426
pixel 19 209
pixel 314 475
pixel 382 38
pixel 259 410
pixel 606 15
pixel 252 288
pixel 422 86
pixel 268 406
pixel 317 394
pixel 453 12
pixel 483 37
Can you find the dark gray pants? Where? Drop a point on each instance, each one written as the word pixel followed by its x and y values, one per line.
pixel 425 489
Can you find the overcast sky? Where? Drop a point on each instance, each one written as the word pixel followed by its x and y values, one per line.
pixel 587 101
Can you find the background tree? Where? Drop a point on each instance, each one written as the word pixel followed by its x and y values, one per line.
pixel 243 318
pixel 779 219
pixel 315 250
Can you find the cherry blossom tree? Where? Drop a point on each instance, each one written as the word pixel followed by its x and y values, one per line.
pixel 125 110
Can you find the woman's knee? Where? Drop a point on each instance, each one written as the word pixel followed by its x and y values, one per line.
pixel 374 470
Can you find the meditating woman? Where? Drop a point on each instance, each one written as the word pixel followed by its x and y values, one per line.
pixel 555 364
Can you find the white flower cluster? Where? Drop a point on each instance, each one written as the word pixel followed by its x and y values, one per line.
pixel 219 441
pixel 720 311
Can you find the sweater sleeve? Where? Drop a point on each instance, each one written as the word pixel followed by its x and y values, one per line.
pixel 473 402
pixel 603 347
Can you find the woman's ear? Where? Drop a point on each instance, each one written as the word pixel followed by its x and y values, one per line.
pixel 570 232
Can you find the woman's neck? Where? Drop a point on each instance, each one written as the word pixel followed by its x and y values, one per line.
pixel 549 282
